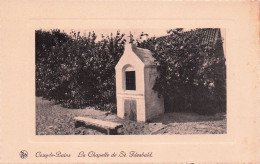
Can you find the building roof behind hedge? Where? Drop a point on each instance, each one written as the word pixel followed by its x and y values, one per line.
pixel 209 35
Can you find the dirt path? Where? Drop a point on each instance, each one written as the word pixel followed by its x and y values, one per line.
pixel 52 119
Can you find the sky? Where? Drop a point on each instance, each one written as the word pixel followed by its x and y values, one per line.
pixel 157 32
pixel 135 32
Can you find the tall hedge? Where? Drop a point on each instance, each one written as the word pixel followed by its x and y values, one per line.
pixel 76 70
pixel 192 71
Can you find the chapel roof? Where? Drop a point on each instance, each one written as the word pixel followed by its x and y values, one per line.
pixel 144 55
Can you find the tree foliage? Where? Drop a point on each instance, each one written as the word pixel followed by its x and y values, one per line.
pixel 75 70
pixel 192 71
pixel 78 71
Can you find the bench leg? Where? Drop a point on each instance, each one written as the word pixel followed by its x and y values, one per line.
pixel 79 124
pixel 76 124
pixel 112 131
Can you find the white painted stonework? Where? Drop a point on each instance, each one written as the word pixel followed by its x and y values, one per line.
pixel 143 101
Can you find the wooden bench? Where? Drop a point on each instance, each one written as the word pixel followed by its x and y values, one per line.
pixel 104 126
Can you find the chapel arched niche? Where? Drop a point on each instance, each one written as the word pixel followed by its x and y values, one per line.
pixel 128 78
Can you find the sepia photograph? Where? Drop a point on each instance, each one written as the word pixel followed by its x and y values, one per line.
pixel 130 81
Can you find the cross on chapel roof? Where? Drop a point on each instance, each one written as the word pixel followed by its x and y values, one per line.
pixel 131 40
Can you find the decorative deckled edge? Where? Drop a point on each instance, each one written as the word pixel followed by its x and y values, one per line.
pixel 258 80
pixel 1 75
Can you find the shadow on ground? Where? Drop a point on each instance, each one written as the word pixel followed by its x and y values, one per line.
pixel 168 118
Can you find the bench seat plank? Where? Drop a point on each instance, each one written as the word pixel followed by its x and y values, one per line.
pixel 109 126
